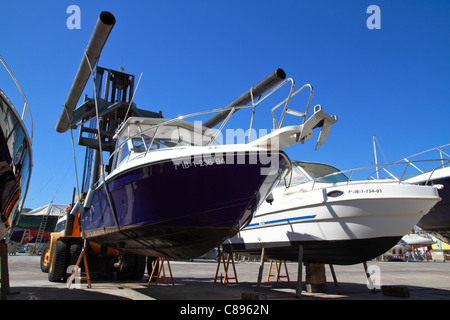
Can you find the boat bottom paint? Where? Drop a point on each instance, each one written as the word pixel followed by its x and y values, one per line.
pixel 338 252
pixel 165 241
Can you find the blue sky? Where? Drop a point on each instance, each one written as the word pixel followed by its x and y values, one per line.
pixel 393 82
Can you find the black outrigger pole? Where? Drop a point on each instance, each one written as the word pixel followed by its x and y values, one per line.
pixel 105 23
pixel 257 90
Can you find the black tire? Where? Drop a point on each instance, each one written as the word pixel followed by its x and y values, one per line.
pixel 127 271
pixel 74 254
pixel 58 262
pixel 134 269
pixel 45 258
pixel 139 268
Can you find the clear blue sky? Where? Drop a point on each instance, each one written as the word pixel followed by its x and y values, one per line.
pixel 393 82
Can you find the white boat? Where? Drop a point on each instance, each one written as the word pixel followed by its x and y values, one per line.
pixel 338 221
pixel 399 252
pixel 418 239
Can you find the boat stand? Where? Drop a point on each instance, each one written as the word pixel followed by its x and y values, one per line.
pixel 161 272
pixel 333 274
pixel 298 291
pixel 369 279
pixel 74 271
pixel 226 266
pixel 4 274
pixel 278 270
pixel 257 295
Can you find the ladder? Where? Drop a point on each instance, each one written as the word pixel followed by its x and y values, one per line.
pixel 41 232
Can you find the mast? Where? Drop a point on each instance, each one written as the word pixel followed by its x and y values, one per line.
pixel 376 158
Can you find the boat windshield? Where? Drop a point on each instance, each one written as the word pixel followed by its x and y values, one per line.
pixel 322 172
pixel 140 144
pixel 149 137
pixel 296 177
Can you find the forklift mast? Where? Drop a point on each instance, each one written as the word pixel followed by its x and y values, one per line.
pixel 114 93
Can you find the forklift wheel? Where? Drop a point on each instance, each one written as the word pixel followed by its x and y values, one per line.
pixel 58 262
pixel 45 258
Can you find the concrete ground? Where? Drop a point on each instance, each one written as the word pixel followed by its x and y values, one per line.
pixel 195 281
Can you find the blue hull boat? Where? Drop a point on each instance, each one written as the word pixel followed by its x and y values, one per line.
pixel 175 210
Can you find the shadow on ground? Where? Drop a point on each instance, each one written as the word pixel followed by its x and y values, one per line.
pixel 206 289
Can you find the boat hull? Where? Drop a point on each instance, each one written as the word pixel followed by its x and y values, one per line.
pixel 437 221
pixel 15 166
pixel 338 252
pixel 354 227
pixel 180 209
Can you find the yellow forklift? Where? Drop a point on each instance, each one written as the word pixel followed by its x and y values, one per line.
pixel 62 252
pixel 67 241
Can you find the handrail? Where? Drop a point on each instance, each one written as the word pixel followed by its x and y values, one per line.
pixel 166 123
pixel 287 100
pixel 425 151
pixel 444 161
pixel 26 105
pixel 231 111
pixel 402 178
pixel 222 125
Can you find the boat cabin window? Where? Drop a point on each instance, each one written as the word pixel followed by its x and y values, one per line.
pixel 140 144
pixel 319 172
pixel 124 151
pixel 167 136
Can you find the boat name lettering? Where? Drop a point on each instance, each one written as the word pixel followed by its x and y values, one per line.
pixel 361 191
pixel 202 162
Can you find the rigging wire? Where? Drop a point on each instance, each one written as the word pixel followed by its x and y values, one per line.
pixel 379 147
pixel 45 185
pixel 102 166
pixel 132 98
pixel 74 160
